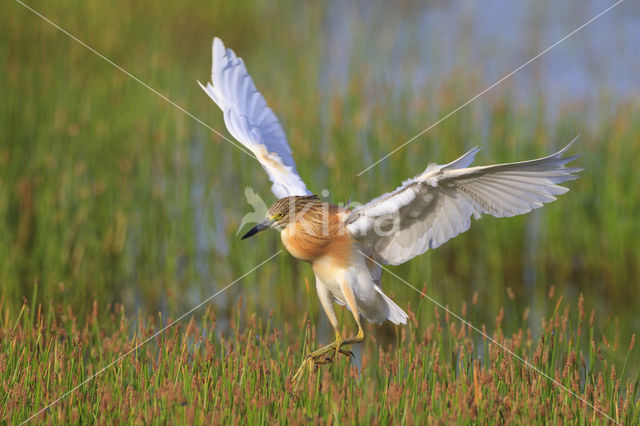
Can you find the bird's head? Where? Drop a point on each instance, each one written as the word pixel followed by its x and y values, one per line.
pixel 284 212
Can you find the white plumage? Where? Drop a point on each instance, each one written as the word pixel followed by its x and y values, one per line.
pixel 251 121
pixel 435 206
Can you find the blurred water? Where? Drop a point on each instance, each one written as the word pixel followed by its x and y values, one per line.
pixel 425 43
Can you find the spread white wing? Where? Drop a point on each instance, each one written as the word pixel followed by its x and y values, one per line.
pixel 251 121
pixel 431 208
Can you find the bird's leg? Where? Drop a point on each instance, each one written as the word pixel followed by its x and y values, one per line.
pixel 351 302
pixel 327 304
pixel 318 356
pixel 337 345
pixel 358 338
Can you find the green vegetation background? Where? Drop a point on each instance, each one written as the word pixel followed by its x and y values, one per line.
pixel 110 194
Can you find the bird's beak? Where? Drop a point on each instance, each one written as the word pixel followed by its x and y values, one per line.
pixel 265 224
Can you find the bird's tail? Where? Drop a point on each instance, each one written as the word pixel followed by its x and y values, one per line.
pixel 394 313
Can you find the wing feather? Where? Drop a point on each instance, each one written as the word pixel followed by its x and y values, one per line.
pixel 435 206
pixel 250 120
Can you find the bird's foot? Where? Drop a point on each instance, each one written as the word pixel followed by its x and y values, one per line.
pixel 325 355
pixel 327 359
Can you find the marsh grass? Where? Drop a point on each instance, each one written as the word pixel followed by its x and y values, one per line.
pixel 198 372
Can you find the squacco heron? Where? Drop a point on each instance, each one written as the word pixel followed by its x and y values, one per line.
pixel 347 247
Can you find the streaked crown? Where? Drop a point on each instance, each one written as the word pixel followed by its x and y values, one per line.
pixel 290 209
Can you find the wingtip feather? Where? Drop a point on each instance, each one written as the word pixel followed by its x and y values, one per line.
pixel 217 46
pixel 463 161
pixel 567 147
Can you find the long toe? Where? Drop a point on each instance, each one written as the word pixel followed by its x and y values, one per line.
pixel 347 353
pixel 298 376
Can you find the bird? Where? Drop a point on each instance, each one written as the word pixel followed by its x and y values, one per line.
pixel 347 247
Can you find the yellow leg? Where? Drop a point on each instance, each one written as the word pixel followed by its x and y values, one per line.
pixel 351 302
pixel 318 356
pixel 324 355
